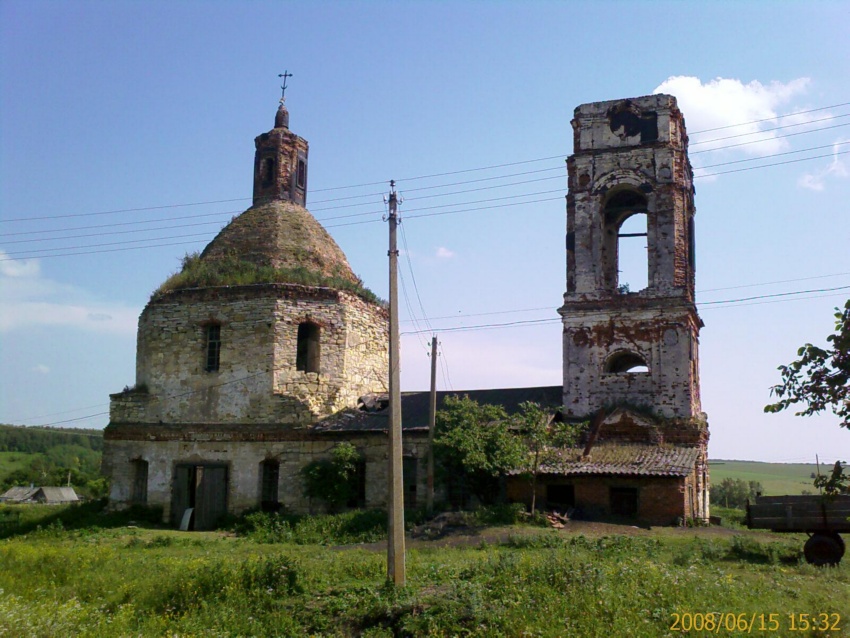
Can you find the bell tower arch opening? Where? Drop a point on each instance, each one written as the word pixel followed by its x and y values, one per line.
pixel 626 260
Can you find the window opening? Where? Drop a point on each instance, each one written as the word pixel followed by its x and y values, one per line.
pixel 213 338
pixel 301 174
pixel 560 497
pixel 267 171
pixel 358 485
pixel 269 478
pixel 624 501
pixel 308 349
pixel 692 252
pixel 623 362
pixel 409 472
pixel 625 258
pixel 633 266
pixel 140 481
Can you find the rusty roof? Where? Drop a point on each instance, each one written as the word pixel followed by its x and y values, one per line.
pixel 625 460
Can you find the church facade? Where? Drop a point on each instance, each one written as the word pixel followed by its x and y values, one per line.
pixel 266 351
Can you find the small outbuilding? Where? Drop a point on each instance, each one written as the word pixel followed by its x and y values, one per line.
pixel 46 495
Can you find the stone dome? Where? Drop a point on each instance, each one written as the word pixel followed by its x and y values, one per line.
pixel 284 236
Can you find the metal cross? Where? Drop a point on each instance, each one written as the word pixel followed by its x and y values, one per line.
pixel 284 75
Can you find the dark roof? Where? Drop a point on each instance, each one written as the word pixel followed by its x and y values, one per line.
pixel 414 408
pixel 626 460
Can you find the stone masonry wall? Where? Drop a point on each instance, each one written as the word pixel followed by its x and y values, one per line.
pixel 257 380
pixel 243 460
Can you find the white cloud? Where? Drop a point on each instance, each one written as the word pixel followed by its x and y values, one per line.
pixel 41 369
pixel 836 169
pixel 444 253
pixel 27 299
pixel 724 102
pixel 18 267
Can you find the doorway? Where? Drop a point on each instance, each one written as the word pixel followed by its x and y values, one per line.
pixel 203 488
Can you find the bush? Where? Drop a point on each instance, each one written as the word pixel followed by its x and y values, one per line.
pixel 333 480
pixel 358 526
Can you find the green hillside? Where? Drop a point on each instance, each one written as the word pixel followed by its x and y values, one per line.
pixel 775 478
pixel 44 456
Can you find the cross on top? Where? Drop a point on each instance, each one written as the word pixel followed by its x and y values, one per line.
pixel 284 75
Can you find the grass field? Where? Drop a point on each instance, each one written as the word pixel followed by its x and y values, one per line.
pixel 776 478
pixel 109 579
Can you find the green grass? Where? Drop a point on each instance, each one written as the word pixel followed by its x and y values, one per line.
pixel 114 580
pixel 776 478
pixel 233 271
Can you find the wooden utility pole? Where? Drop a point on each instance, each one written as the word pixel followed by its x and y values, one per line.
pixel 432 423
pixel 395 542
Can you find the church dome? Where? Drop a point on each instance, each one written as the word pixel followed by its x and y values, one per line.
pixel 281 235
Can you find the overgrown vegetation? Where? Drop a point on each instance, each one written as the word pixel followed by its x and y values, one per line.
pixel 105 581
pixel 478 445
pixel 735 492
pixel 333 480
pixel 50 457
pixel 233 271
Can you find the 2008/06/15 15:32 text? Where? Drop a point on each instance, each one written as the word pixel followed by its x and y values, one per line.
pixel 729 621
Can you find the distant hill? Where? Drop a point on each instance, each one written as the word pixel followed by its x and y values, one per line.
pixel 19 438
pixel 776 478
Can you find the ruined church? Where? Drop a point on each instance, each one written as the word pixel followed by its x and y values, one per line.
pixel 266 350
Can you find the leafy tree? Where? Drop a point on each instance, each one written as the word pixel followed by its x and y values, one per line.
pixel 332 480
pixel 820 378
pixel 542 439
pixel 836 482
pixel 476 447
pixel 735 492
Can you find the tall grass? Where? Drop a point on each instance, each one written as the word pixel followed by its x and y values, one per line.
pixel 128 581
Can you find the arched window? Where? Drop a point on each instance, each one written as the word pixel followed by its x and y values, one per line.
pixel 625 258
pixel 308 352
pixel 625 361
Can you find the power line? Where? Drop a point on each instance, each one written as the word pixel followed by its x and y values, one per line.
pixel 752 168
pixel 167 206
pixel 755 159
pixel 769 139
pixel 769 119
pixel 768 130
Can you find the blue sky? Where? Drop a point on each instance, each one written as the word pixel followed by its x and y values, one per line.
pixel 112 106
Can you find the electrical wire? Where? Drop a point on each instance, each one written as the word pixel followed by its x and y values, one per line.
pixel 430 176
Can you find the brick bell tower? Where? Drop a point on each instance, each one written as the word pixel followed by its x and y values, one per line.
pixel 280 163
pixel 623 346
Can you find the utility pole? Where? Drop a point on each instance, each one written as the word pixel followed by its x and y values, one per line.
pixel 432 423
pixel 395 541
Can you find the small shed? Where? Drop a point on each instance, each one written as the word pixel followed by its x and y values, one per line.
pixel 47 495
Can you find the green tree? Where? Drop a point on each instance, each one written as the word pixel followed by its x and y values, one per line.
pixel 735 492
pixel 332 480
pixel 476 447
pixel 543 440
pixel 820 378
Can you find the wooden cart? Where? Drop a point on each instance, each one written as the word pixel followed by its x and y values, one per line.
pixel 822 518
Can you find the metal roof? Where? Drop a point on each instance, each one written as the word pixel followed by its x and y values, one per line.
pixel 414 408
